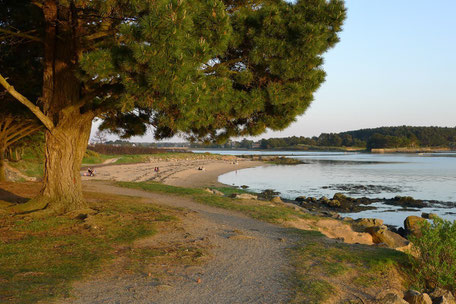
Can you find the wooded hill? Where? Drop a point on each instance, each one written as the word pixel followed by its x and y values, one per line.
pixel 376 138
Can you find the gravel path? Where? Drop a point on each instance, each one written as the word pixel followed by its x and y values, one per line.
pixel 249 262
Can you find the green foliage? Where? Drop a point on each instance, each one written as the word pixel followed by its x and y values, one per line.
pixel 433 263
pixel 198 70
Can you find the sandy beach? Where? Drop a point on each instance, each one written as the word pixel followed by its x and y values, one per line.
pixel 175 172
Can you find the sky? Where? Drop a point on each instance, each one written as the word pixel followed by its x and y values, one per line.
pixel 395 65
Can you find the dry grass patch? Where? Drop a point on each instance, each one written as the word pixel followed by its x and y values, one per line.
pixel 329 271
pixel 40 257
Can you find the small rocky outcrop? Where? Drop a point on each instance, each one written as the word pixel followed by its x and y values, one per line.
pixel 415 297
pixel 412 225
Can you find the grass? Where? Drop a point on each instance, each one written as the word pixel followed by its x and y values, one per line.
pixel 40 257
pixel 322 265
pixel 265 211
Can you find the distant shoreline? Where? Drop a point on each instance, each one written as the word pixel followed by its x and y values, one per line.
pixel 337 149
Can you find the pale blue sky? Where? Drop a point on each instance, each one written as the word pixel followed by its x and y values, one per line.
pixel 395 65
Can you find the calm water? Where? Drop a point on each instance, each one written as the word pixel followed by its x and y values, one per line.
pixel 423 176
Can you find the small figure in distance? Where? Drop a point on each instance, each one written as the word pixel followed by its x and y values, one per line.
pixel 91 172
pixel 156 169
pixel 201 168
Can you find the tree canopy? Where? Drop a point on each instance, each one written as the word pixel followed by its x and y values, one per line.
pixel 208 69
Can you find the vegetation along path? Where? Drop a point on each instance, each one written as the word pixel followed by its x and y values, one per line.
pixel 249 263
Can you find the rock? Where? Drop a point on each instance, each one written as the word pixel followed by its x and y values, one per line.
pixel 442 296
pixel 301 199
pixel 381 234
pixel 340 197
pixel 414 297
pixel 216 192
pixel 372 222
pixel 347 219
pixel 333 203
pixel 392 298
pixel 245 196
pixel 363 223
pixel 276 200
pixel 412 225
pixel 429 215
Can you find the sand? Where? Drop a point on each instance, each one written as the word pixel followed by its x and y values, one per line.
pixel 175 172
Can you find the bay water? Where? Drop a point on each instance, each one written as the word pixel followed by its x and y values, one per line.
pixel 430 176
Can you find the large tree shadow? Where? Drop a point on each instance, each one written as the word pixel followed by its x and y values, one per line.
pixel 11 197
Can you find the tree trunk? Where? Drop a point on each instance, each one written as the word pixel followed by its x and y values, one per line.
pixel 64 151
pixel 67 141
pixel 2 165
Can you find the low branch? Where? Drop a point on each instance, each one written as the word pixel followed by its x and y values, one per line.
pixel 22 99
pixel 21 35
pixel 22 135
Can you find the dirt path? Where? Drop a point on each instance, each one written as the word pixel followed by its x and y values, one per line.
pixel 249 262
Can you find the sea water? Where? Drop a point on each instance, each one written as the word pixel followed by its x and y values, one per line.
pixel 430 176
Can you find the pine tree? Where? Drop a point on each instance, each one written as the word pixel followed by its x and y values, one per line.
pixel 204 68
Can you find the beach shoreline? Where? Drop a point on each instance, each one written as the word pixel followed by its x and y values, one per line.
pixel 191 173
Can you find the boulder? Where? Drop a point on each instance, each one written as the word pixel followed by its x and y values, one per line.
pixel 412 225
pixel 276 200
pixel 414 297
pixel 381 234
pixel 245 196
pixel 442 296
pixel 392 298
pixel 311 199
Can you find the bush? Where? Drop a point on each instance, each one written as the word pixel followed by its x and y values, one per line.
pixel 433 257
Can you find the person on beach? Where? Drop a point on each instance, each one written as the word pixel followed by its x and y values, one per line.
pixel 90 172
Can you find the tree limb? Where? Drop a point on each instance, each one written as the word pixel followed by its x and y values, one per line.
pixel 21 35
pixel 47 122
pixel 23 134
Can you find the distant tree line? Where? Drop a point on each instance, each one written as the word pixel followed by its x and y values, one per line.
pixel 377 138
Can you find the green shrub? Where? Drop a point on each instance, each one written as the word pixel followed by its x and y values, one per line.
pixel 433 257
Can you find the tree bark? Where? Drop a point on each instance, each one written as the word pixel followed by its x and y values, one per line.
pixel 67 140
pixel 64 151
pixel 2 165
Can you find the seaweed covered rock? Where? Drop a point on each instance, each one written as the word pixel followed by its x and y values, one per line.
pixel 412 225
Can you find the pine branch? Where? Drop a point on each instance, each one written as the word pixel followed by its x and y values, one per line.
pixel 20 35
pixel 23 133
pixel 47 122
